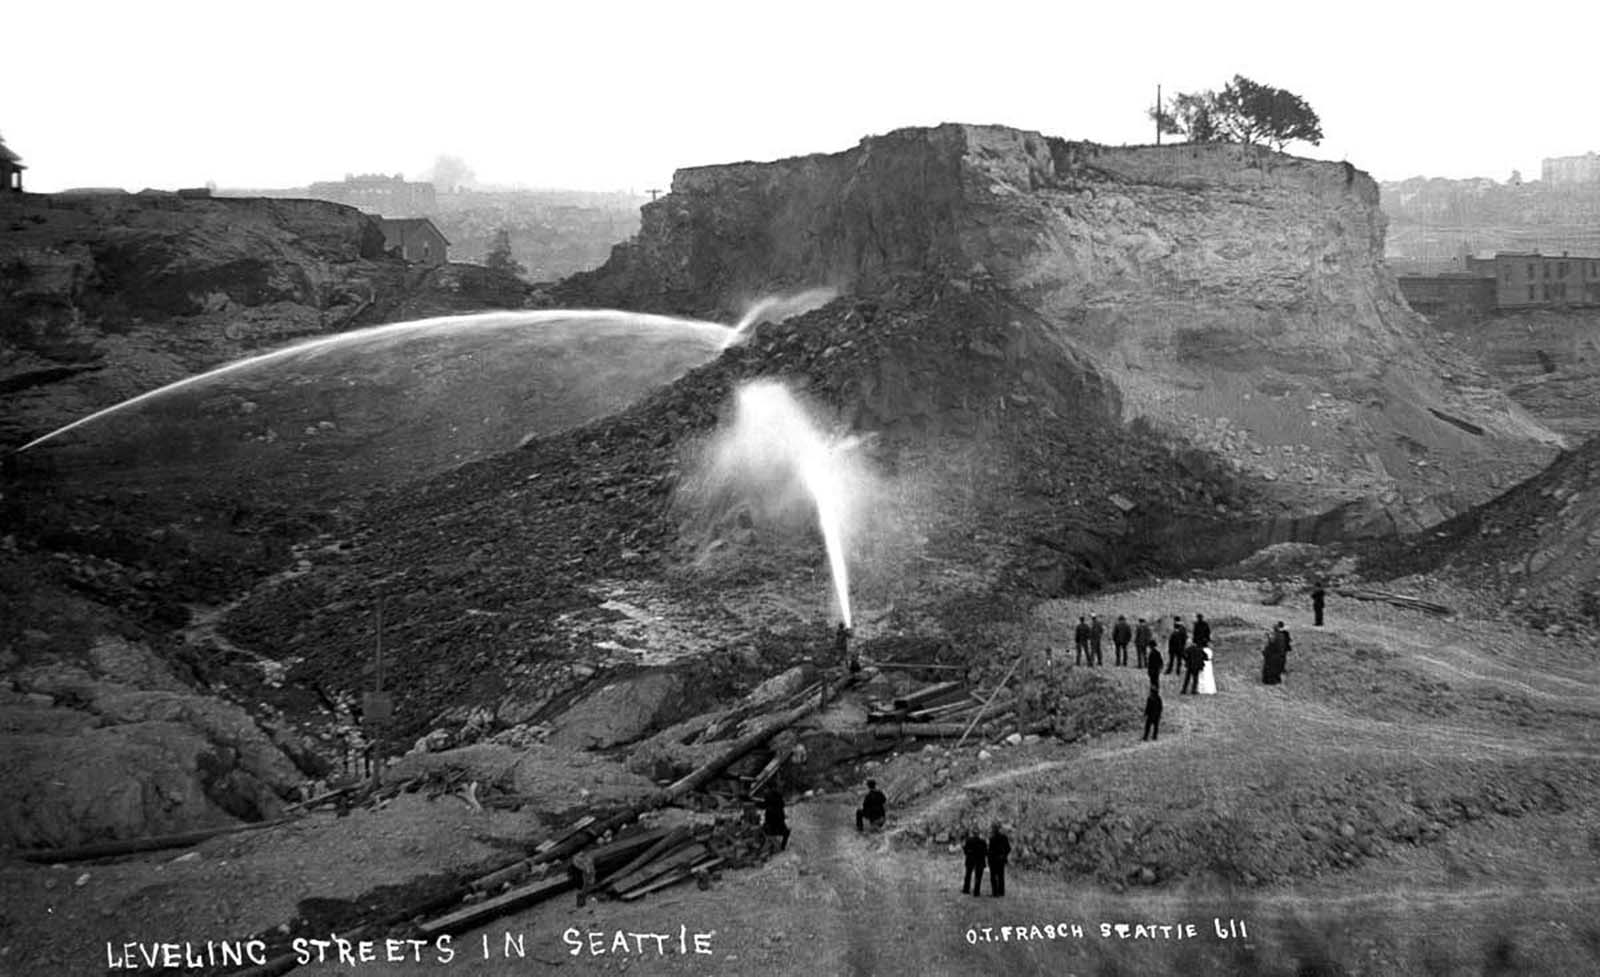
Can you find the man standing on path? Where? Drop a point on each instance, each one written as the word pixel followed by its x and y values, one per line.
pixel 1142 641
pixel 999 852
pixel 1178 641
pixel 1194 658
pixel 1152 715
pixel 1080 638
pixel 874 809
pixel 1097 631
pixel 1318 596
pixel 977 852
pixel 1153 666
pixel 1121 634
pixel 1202 631
pixel 1284 646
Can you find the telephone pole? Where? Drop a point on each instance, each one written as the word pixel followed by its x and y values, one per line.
pixel 1158 113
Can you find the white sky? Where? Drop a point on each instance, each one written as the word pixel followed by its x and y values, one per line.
pixel 616 95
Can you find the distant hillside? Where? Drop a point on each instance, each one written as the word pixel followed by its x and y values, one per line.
pixel 1435 221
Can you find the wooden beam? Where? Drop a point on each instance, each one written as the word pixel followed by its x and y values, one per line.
pixel 132 846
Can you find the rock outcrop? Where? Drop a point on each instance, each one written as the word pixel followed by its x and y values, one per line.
pixel 1233 296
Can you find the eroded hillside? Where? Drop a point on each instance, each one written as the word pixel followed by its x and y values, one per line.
pixel 1233 296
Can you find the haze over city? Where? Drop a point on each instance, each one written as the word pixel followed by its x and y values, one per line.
pixel 174 94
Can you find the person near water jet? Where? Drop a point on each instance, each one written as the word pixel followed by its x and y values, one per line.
pixel 874 809
pixel 841 648
pixel 774 825
pixel 1080 640
pixel 999 854
pixel 1176 643
pixel 1097 631
pixel 1121 634
pixel 1143 641
pixel 976 851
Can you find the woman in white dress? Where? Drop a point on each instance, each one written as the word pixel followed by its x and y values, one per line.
pixel 1207 683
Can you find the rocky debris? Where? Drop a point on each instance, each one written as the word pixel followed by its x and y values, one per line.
pixel 1535 549
pixel 481 566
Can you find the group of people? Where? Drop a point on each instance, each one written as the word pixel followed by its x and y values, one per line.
pixel 1188 655
pixel 993 854
pixel 980 853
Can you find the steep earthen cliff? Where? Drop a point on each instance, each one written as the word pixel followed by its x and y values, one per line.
pixel 1234 296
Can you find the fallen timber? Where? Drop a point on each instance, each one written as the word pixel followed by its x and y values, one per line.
pixel 1398 600
pixel 133 846
pixel 446 914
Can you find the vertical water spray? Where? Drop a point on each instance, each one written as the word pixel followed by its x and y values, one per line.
pixel 775 454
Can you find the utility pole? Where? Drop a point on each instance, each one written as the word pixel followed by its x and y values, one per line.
pixel 1158 113
pixel 377 707
pixel 652 194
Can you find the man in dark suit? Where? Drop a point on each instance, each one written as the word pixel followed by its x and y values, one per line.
pixel 1142 641
pixel 976 851
pixel 1152 665
pixel 1097 631
pixel 1178 641
pixel 1152 715
pixel 1194 659
pixel 1121 634
pixel 1080 639
pixel 999 853
pixel 874 808
pixel 1202 631
pixel 1318 596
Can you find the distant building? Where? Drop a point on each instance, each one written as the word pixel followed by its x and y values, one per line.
pixel 1528 279
pixel 390 196
pixel 1567 170
pixel 10 171
pixel 1507 280
pixel 1461 292
pixel 415 239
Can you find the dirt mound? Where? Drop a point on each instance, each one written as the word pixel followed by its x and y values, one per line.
pixel 1536 548
pixel 1002 440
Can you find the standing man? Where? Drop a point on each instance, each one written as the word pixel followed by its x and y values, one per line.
pixel 1080 638
pixel 1142 641
pixel 1202 631
pixel 1152 665
pixel 1176 643
pixel 999 852
pixel 1096 632
pixel 1121 634
pixel 1194 658
pixel 1318 596
pixel 977 852
pixel 774 825
pixel 1152 715
pixel 1285 644
pixel 874 808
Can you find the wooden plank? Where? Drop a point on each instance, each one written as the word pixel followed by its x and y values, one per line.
pixel 923 695
pixel 555 840
pixel 672 878
pixel 670 840
pixel 681 856
pixel 466 918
